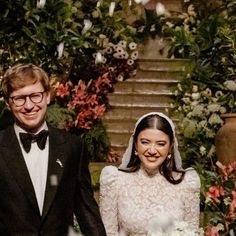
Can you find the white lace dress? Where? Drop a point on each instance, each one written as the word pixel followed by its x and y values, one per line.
pixel 129 200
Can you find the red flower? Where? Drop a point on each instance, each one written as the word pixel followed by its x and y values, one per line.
pixel 214 192
pixel 62 90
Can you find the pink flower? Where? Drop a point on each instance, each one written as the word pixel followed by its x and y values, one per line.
pixel 212 231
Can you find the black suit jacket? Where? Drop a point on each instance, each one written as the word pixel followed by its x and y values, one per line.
pixel 68 189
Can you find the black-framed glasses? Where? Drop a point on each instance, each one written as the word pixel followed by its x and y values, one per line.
pixel 20 100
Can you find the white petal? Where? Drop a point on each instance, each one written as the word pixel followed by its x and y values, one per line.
pixel 60 49
pixel 87 26
pixel 112 8
pixel 144 2
pixel 160 9
pixel 98 58
pixel 41 3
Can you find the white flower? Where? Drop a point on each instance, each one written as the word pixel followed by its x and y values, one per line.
pixel 169 24
pixel 108 50
pixel 218 94
pixel 130 62
pixel 202 150
pixel 41 3
pixel 60 48
pixel 195 88
pixel 215 119
pixel 160 9
pixel 191 11
pixel 87 26
pixel 213 107
pixel 165 225
pixel 112 8
pixel 122 44
pixel 230 85
pixel 120 78
pixel 132 46
pixel 195 96
pixel 134 55
pixel 207 92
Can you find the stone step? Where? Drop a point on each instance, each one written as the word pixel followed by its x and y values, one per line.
pixel 132 111
pixel 145 98
pixel 175 65
pixel 145 84
pixel 161 75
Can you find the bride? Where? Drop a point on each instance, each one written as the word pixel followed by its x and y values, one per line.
pixel 150 183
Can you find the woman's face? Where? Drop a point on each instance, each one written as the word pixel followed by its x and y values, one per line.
pixel 152 147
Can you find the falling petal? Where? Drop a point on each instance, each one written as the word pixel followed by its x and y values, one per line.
pixel 60 49
pixel 87 26
pixel 98 3
pixel 98 58
pixel 160 9
pixel 112 8
pixel 144 2
pixel 41 3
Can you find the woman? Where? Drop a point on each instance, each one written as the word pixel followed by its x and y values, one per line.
pixel 150 188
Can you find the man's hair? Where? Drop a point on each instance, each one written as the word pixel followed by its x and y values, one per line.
pixel 21 75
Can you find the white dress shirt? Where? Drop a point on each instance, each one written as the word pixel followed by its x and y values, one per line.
pixel 37 163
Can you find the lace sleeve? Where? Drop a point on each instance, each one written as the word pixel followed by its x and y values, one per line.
pixel 108 199
pixel 191 196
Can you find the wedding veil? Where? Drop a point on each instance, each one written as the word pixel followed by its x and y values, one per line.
pixel 127 155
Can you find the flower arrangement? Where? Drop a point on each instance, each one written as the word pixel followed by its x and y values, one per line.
pixel 86 100
pixel 164 225
pixel 220 199
pixel 205 34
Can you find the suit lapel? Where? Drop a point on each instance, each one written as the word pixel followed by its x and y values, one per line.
pixel 57 157
pixel 17 166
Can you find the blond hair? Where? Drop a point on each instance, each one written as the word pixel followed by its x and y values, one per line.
pixel 20 75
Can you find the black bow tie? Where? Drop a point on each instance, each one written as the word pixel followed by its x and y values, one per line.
pixel 28 138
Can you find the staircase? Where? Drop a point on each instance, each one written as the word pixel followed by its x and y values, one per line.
pixel 148 91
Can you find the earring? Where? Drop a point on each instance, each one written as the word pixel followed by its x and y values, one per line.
pixel 135 153
pixel 169 156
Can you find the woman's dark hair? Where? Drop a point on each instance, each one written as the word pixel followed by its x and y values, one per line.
pixel 168 166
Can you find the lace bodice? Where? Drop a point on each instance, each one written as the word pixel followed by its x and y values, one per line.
pixel 129 200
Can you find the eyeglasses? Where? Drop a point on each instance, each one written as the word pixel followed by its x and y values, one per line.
pixel 20 100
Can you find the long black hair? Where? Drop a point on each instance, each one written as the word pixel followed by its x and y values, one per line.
pixel 168 167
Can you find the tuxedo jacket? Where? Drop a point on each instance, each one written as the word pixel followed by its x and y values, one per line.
pixel 68 189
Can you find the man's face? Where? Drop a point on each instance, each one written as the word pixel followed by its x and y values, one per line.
pixel 31 115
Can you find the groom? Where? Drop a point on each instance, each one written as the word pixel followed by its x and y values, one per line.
pixel 44 176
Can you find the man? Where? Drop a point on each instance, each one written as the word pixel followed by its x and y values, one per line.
pixel 42 185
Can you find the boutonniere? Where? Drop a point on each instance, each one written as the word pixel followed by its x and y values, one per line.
pixel 58 161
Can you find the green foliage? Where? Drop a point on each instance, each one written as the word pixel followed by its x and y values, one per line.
pixel 54 36
pixel 56 115
pixel 97 142
pixel 206 34
pixel 5 115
